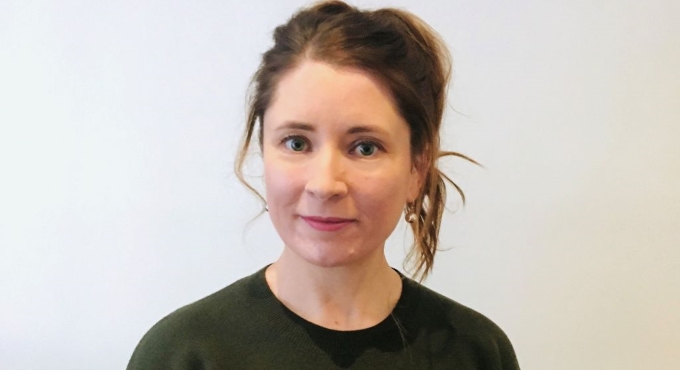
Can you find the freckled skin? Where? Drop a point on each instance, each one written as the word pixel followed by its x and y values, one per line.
pixel 324 166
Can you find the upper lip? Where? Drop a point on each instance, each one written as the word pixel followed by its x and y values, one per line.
pixel 327 219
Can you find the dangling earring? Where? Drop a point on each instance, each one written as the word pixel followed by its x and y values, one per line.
pixel 410 215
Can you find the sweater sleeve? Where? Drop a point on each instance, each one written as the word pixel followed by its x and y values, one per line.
pixel 506 352
pixel 155 349
pixel 171 344
pixel 472 339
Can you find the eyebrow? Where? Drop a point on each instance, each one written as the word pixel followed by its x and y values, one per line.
pixel 361 129
pixel 358 129
pixel 296 125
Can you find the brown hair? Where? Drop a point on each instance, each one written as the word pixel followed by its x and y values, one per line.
pixel 406 56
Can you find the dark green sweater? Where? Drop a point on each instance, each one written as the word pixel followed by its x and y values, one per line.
pixel 244 326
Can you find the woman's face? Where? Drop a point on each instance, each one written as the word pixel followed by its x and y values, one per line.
pixel 337 162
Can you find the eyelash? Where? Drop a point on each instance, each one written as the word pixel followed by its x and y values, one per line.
pixel 355 145
pixel 288 138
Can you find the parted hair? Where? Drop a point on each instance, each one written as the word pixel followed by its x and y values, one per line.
pixel 407 57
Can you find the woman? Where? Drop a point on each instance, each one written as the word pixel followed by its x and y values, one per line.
pixel 346 108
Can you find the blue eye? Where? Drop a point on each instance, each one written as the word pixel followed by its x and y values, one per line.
pixel 295 143
pixel 366 149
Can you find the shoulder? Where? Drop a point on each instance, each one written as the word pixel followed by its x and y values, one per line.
pixel 205 312
pixel 458 316
pixel 209 319
pixel 461 327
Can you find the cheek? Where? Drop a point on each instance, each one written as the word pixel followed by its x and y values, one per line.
pixel 280 184
pixel 382 194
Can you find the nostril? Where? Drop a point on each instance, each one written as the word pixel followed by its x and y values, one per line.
pixel 326 187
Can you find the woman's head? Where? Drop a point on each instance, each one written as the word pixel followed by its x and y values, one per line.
pixel 402 55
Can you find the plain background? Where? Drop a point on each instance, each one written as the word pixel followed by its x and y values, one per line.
pixel 118 127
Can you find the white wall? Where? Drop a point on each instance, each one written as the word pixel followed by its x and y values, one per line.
pixel 119 121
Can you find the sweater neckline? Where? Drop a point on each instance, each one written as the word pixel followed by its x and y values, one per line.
pixel 390 331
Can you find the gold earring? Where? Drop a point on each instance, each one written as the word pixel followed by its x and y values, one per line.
pixel 410 215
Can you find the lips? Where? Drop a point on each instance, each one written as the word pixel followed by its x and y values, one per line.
pixel 327 223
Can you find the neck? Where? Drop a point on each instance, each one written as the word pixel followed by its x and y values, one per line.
pixel 349 297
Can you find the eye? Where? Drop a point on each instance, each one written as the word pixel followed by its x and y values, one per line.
pixel 295 143
pixel 366 148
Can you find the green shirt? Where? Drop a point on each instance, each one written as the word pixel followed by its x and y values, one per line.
pixel 244 326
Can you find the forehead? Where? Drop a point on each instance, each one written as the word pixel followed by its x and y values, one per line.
pixel 318 93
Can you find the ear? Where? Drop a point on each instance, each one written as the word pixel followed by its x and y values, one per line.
pixel 419 171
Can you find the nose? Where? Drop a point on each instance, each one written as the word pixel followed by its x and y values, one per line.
pixel 326 175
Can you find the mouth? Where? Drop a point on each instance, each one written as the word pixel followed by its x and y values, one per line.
pixel 327 223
